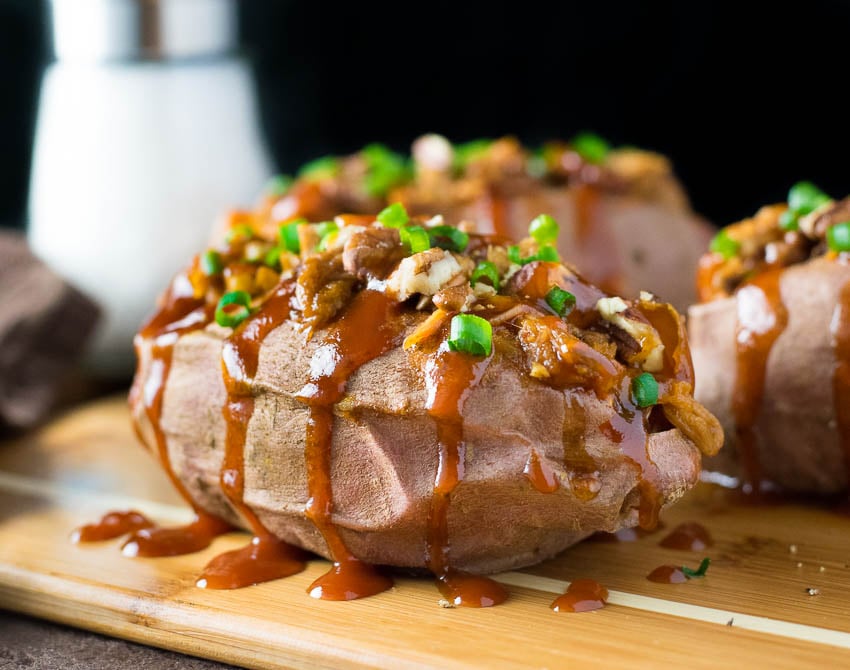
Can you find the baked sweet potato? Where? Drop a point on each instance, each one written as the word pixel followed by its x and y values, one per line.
pixel 771 345
pixel 625 219
pixel 472 419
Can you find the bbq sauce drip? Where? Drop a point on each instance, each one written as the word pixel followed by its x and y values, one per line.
pixel 110 526
pixel 368 328
pixel 449 377
pixel 761 319
pixel 667 574
pixel 266 557
pixel 841 375
pixel 541 476
pixel 181 313
pixel 688 536
pixel 583 595
pixel 595 242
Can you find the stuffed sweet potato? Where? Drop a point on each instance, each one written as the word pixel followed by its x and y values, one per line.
pixel 771 344
pixel 624 218
pixel 400 392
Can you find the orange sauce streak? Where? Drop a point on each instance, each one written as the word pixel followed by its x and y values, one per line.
pixel 688 536
pixel 367 329
pixel 449 376
pixel 266 557
pixel 667 574
pixel 761 319
pixel 541 476
pixel 111 525
pixel 841 376
pixel 583 595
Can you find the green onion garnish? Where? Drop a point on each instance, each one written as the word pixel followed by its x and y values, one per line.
pixel 241 232
pixel 544 229
pixel 288 235
pixel 804 197
pixel 724 245
pixel 448 238
pixel 545 252
pixel 485 270
pixel 211 263
pixel 272 258
pixel 562 302
pixel 838 236
pixel 394 216
pixel 591 147
pixel 789 220
pixel 325 167
pixel 471 334
pixel 415 237
pixel 385 169
pixel 327 230
pixel 467 152
pixel 645 390
pixel 278 185
pixel 230 318
pixel 699 572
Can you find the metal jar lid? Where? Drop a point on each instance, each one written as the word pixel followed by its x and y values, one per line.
pixel 121 30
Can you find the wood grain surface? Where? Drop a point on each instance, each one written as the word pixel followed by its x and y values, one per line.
pixel 752 610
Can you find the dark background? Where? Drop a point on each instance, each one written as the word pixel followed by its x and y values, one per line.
pixel 745 98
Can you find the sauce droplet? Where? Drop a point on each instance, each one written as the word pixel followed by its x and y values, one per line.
pixel 583 595
pixel 688 536
pixel 540 474
pixel 667 574
pixel 264 559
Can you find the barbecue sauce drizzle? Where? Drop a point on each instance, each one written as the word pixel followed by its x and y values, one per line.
pixel 266 557
pixel 840 328
pixel 595 242
pixel 449 377
pixel 761 319
pixel 583 595
pixel 366 330
pixel 180 314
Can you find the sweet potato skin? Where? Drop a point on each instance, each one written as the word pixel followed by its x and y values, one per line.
pixel 799 447
pixel 384 456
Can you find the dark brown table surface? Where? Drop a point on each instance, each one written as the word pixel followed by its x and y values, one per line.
pixel 31 644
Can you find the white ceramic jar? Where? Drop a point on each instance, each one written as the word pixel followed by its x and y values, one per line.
pixel 147 131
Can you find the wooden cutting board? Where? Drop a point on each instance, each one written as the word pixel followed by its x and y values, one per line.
pixel 753 608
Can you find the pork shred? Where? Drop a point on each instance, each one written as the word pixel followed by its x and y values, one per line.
pixel 693 420
pixel 372 252
pixel 323 288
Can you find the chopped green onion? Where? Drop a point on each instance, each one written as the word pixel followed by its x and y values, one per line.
pixel 466 152
pixel 449 238
pixel 838 236
pixel 278 185
pixel 394 216
pixel 485 270
pixel 562 302
pixel 385 169
pixel 211 263
pixel 415 237
pixel 471 334
pixel 591 147
pixel 272 258
pixel 536 165
pixel 233 317
pixel 325 167
pixel 724 245
pixel 699 572
pixel 789 220
pixel 241 232
pixel 288 235
pixel 544 229
pixel 327 231
pixel 804 197
pixel 546 252
pixel 645 390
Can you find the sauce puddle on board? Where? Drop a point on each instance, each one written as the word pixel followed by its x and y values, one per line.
pixel 667 574
pixel 583 595
pixel 688 536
